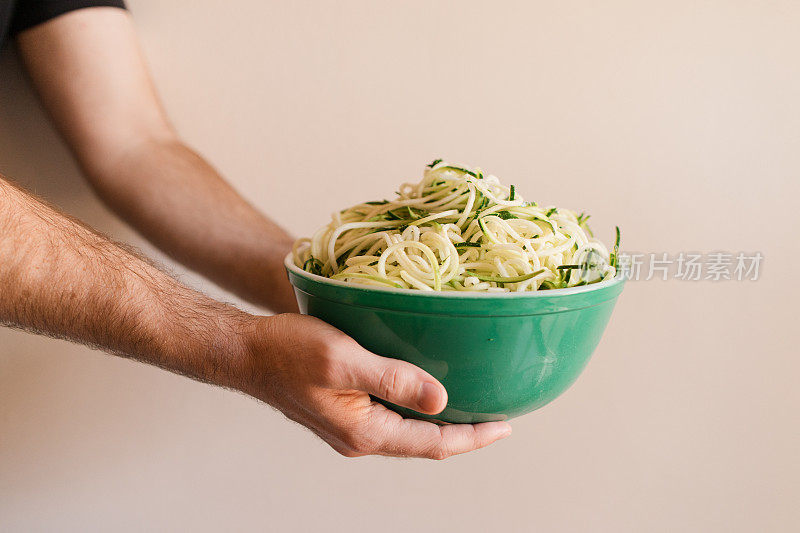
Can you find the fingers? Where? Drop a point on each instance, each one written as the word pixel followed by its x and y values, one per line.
pixel 401 437
pixel 395 381
pixel 445 441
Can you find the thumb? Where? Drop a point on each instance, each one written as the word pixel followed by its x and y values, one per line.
pixel 398 382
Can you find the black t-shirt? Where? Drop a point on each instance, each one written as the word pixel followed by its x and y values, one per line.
pixel 19 15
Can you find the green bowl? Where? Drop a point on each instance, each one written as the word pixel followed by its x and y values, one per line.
pixel 499 355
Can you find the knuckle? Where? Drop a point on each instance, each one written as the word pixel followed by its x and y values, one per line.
pixel 329 363
pixel 439 450
pixel 327 348
pixel 389 382
pixel 345 452
pixel 328 371
pixel 360 442
pixel 439 453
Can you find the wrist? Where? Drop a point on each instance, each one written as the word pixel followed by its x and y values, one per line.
pixel 227 350
pixel 201 338
pixel 260 345
pixel 265 282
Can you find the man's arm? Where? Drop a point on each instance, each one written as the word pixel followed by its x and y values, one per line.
pixel 91 76
pixel 59 278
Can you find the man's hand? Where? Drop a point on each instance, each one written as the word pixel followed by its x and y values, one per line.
pixel 318 376
pixel 59 278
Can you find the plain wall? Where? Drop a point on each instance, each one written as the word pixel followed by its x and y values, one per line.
pixel 679 121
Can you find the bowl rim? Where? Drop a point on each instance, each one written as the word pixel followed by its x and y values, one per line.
pixel 288 263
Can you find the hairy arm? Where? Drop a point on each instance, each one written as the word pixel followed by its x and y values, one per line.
pixel 59 278
pixel 90 74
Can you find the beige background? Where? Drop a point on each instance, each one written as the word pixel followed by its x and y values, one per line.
pixel 677 120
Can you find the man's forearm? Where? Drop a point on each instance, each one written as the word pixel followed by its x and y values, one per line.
pixel 59 278
pixel 181 204
pixel 93 80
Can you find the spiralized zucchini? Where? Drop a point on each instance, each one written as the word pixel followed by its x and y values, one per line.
pixel 458 230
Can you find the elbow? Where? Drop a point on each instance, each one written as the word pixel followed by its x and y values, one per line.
pixel 109 164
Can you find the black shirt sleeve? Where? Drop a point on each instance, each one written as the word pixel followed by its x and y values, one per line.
pixel 29 13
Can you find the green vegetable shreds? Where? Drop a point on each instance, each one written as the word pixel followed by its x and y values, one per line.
pixel 459 229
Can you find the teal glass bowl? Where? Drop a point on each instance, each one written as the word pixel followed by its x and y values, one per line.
pixel 499 355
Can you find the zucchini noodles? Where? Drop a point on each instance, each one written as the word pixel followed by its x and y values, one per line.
pixel 458 230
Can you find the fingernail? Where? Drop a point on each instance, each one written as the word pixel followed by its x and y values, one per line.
pixel 428 398
pixel 505 432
